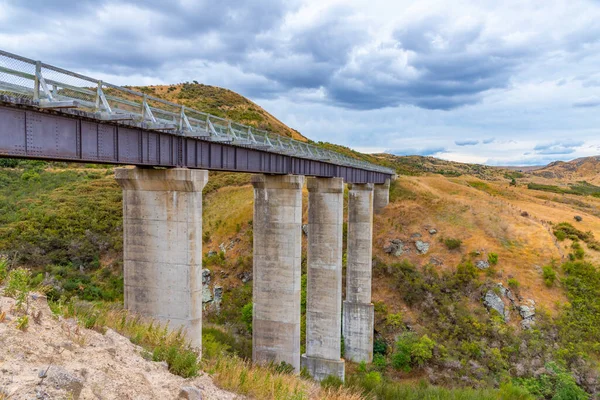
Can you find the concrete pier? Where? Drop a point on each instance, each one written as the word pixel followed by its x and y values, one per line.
pixel 324 285
pixel 381 196
pixel 162 252
pixel 358 311
pixel 277 230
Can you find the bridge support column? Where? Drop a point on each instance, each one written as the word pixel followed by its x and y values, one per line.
pixel 277 227
pixel 324 287
pixel 162 252
pixel 381 196
pixel 358 310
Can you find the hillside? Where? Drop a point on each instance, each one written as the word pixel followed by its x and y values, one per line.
pixel 580 169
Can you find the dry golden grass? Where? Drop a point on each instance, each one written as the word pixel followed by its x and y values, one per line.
pixel 239 376
pixel 487 217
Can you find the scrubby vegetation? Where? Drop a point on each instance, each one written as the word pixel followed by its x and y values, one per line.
pixel 452 243
pixel 65 216
pixel 565 230
pixel 581 188
pixel 454 339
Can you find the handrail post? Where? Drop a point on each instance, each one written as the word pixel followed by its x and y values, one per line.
pixel 36 84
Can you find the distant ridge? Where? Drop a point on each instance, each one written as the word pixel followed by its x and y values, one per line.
pixel 583 168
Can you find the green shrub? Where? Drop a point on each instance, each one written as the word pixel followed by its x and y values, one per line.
pixel 493 258
pixel 380 347
pixel 578 251
pixel 566 230
pixel 466 273
pixel 371 380
pixel 211 348
pixel 401 359
pixel 247 316
pixel 549 275
pixel 18 287
pixel 3 269
pixel 379 361
pixel 422 350
pixel 579 323
pixel 227 342
pixel 513 283
pixel 556 384
pixel 452 244
pixel 182 362
pixel 395 321
pixel 412 351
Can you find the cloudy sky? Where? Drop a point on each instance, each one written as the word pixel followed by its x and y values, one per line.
pixel 496 82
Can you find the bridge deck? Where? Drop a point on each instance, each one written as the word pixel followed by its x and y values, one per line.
pixel 27 131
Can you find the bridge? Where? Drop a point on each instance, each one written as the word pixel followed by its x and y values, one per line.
pixel 49 113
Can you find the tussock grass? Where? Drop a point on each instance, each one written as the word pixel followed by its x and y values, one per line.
pixel 240 376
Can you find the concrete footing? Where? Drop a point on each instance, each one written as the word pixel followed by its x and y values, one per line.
pixel 381 196
pixel 277 231
pixel 162 252
pixel 358 310
pixel 321 368
pixel 324 283
pixel 358 331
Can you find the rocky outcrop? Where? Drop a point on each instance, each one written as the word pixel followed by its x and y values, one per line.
pixel 218 297
pixel 482 264
pixel 527 312
pixel 63 380
pixel 395 247
pixel 245 276
pixel 206 293
pixel 422 247
pixel 494 302
pixel 190 393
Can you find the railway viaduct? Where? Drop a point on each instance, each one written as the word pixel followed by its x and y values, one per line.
pixel 49 113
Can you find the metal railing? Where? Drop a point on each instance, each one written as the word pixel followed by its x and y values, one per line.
pixel 52 87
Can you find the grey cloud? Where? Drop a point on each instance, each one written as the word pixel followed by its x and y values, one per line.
pixel 558 147
pixel 414 70
pixel 590 102
pixel 559 143
pixel 158 34
pixel 488 141
pixel 425 151
pixel 466 142
pixel 431 63
pixel 556 151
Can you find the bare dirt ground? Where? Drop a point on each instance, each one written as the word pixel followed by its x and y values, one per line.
pixel 57 359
